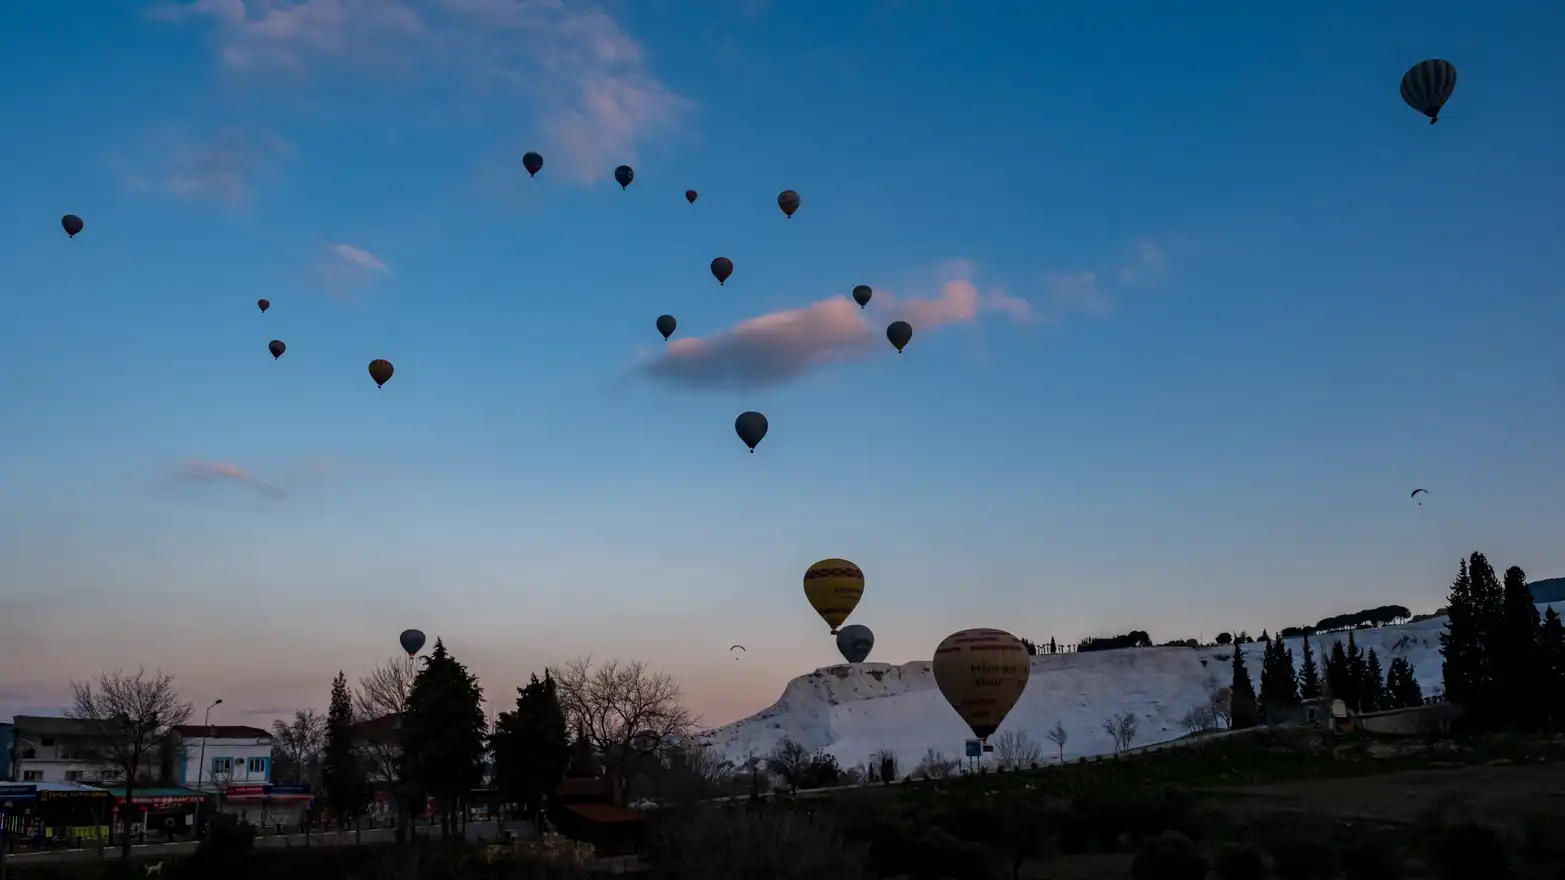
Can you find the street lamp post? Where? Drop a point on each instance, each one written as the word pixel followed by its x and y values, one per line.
pixel 201 762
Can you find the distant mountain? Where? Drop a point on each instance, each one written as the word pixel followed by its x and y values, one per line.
pixel 1548 590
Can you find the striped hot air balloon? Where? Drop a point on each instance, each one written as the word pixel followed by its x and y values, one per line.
pixel 982 673
pixel 1427 85
pixel 834 587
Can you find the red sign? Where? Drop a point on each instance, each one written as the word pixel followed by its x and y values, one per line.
pixel 245 790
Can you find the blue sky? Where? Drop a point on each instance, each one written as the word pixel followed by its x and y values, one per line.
pixel 1197 303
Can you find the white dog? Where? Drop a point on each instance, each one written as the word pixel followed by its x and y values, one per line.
pixel 155 869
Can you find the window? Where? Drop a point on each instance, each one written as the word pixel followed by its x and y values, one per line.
pixel 46 741
pixel 32 775
pixel 222 766
pixel 255 766
pixel 73 776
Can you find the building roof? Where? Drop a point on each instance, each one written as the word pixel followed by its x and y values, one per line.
pixel 52 725
pixel 606 813
pixel 221 731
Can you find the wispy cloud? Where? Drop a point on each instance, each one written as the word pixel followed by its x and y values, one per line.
pixel 1147 259
pixel 347 272
pixel 1083 290
pixel 224 473
pixel 224 167
pixel 592 85
pixel 777 348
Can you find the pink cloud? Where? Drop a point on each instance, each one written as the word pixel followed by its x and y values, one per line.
pixel 224 472
pixel 593 86
pixel 779 347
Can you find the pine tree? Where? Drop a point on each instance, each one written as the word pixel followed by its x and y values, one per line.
pixel 531 748
pixel 1515 647
pixel 1551 661
pixel 1309 673
pixel 1337 673
pixel 444 732
pixel 1355 678
pixel 1462 666
pixel 1263 637
pixel 1402 690
pixel 1242 708
pixel 341 774
pixel 1372 688
pixel 1279 684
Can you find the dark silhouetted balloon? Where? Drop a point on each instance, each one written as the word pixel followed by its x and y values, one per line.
pixel 533 162
pixel 381 371
pixel 666 326
pixel 623 175
pixel 412 640
pixel 855 641
pixel 751 428
pixel 1427 85
pixel 900 333
pixel 789 201
pixel 276 347
pixel 690 196
pixel 263 304
pixel 861 295
pixel 722 267
pixel 72 223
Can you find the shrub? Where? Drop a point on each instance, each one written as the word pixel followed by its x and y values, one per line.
pixel 225 850
pixel 1242 861
pixel 1169 856
pixel 1302 858
pixel 1468 849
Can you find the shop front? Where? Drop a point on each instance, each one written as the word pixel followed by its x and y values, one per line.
pixel 267 805
pixel 167 812
pixel 39 813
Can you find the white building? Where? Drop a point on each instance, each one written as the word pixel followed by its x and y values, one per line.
pixel 50 749
pixel 217 757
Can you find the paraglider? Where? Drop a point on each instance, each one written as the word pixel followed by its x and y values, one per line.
pixel 1427 85
pixel 263 304
pixel 72 223
pixel 623 175
pixel 751 428
pixel 276 347
pixel 855 642
pixel 533 162
pixel 982 673
pixel 690 196
pixel 861 295
pixel 789 201
pixel 738 648
pixel 381 371
pixel 722 267
pixel 666 326
pixel 1415 495
pixel 900 333
pixel 412 641
pixel 833 587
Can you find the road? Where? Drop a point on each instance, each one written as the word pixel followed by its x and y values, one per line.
pixel 144 851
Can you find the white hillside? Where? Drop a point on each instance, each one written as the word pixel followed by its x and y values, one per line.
pixel 854 711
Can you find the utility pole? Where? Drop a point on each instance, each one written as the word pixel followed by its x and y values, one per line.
pixel 201 762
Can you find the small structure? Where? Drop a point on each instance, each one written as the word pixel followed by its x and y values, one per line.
pixel 583 813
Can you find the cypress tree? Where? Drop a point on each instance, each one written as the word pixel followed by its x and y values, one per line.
pixel 1337 673
pixel 1551 651
pixel 1515 646
pixel 340 771
pixel 1309 673
pixel 1402 690
pixel 1242 708
pixel 1372 688
pixel 1462 663
pixel 1355 677
pixel 444 732
pixel 531 749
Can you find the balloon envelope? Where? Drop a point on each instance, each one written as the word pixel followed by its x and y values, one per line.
pixel 900 333
pixel 861 295
pixel 834 587
pixel 276 347
pixel 72 223
pixel 263 304
pixel 412 640
pixel 789 201
pixel 533 162
pixel 722 267
pixel 623 175
pixel 381 371
pixel 751 428
pixel 982 673
pixel 1427 85
pixel 690 196
pixel 855 641
pixel 667 325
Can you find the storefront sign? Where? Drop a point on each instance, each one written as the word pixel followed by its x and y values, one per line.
pixel 82 794
pixel 18 792
pixel 245 790
pixel 290 789
pixel 163 802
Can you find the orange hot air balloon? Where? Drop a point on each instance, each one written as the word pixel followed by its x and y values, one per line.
pixel 834 587
pixel 982 673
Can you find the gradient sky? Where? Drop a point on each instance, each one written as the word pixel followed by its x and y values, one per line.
pixel 1197 302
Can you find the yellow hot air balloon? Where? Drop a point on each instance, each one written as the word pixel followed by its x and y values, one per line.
pixel 833 587
pixel 982 673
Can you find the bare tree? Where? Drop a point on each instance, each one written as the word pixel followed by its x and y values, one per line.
pixel 789 762
pixel 935 765
pixel 613 702
pixel 384 691
pixel 299 743
pixel 129 716
pixel 1122 729
pixel 1015 748
pixel 1200 718
pixel 1058 736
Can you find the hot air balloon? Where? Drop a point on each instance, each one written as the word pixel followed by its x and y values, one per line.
pixel 738 648
pixel 900 333
pixel 789 201
pixel 381 371
pixel 833 587
pixel 412 641
pixel 982 673
pixel 623 175
pixel 72 223
pixel 1427 85
pixel 533 162
pixel 666 326
pixel 276 347
pixel 861 295
pixel 1415 495
pixel 263 305
pixel 751 428
pixel 855 642
pixel 722 267
pixel 690 196
pixel 645 740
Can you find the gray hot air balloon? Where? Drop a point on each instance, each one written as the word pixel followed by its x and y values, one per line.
pixel 751 428
pixel 855 641
pixel 412 641
pixel 900 333
pixel 1427 85
pixel 666 325
pixel 861 295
